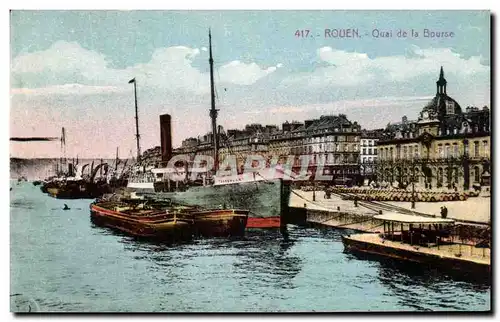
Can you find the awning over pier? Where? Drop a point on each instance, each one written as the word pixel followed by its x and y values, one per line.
pixel 413 219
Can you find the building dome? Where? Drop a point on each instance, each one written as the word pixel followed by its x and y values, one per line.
pixel 441 105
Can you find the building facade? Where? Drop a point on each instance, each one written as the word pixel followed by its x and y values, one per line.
pixel 332 141
pixel 368 152
pixel 445 147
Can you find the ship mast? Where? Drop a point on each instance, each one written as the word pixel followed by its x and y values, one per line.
pixel 137 135
pixel 213 111
pixel 63 151
pixel 116 159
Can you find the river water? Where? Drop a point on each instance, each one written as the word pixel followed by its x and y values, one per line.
pixel 60 261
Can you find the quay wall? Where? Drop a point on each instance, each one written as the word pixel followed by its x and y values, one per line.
pixel 342 219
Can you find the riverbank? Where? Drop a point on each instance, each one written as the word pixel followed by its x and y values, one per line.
pixel 339 213
pixel 473 210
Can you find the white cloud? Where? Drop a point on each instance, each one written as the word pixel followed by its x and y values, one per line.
pixel 353 69
pixel 204 48
pixel 240 73
pixel 61 56
pixel 169 68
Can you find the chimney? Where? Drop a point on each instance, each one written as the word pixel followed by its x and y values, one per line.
pixel 166 137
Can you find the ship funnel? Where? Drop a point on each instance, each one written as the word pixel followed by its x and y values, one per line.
pixel 166 137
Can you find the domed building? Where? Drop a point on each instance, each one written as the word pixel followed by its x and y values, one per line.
pixel 444 147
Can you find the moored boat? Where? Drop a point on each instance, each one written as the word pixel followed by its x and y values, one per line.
pixel 220 222
pixel 266 195
pixel 145 223
pixel 265 191
pixel 422 240
pixel 203 222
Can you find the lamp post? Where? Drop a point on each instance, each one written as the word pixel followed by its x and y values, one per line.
pixel 413 195
pixel 413 186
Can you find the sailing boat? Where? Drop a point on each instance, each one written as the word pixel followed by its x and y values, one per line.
pixel 265 194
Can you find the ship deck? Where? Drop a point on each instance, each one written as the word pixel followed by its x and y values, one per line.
pixel 467 253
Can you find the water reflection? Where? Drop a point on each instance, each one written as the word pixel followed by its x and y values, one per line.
pixel 265 255
pixel 260 257
pixel 408 281
pixel 66 264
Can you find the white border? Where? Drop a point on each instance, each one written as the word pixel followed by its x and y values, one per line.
pixel 492 5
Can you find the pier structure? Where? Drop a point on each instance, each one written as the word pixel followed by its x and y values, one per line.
pixel 420 239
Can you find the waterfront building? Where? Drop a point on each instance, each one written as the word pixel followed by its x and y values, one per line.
pixel 331 141
pixel 368 152
pixel 445 147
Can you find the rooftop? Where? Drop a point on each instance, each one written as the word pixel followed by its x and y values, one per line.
pixel 413 219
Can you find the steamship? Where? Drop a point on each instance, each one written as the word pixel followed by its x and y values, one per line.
pixel 265 193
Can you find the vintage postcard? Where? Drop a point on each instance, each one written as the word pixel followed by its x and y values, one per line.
pixel 250 161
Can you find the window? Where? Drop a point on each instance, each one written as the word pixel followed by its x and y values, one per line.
pixel 410 152
pixel 375 151
pixel 370 151
pixel 440 178
pixel 486 150
pixel 447 151
pixel 364 150
pixel 416 151
pixel 450 107
pixel 476 174
pixel 405 152
pixel 440 150
pixel 455 150
pixel 476 149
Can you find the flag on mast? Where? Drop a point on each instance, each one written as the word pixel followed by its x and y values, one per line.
pixel 131 81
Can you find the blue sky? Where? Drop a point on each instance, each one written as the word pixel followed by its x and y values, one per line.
pixel 70 68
